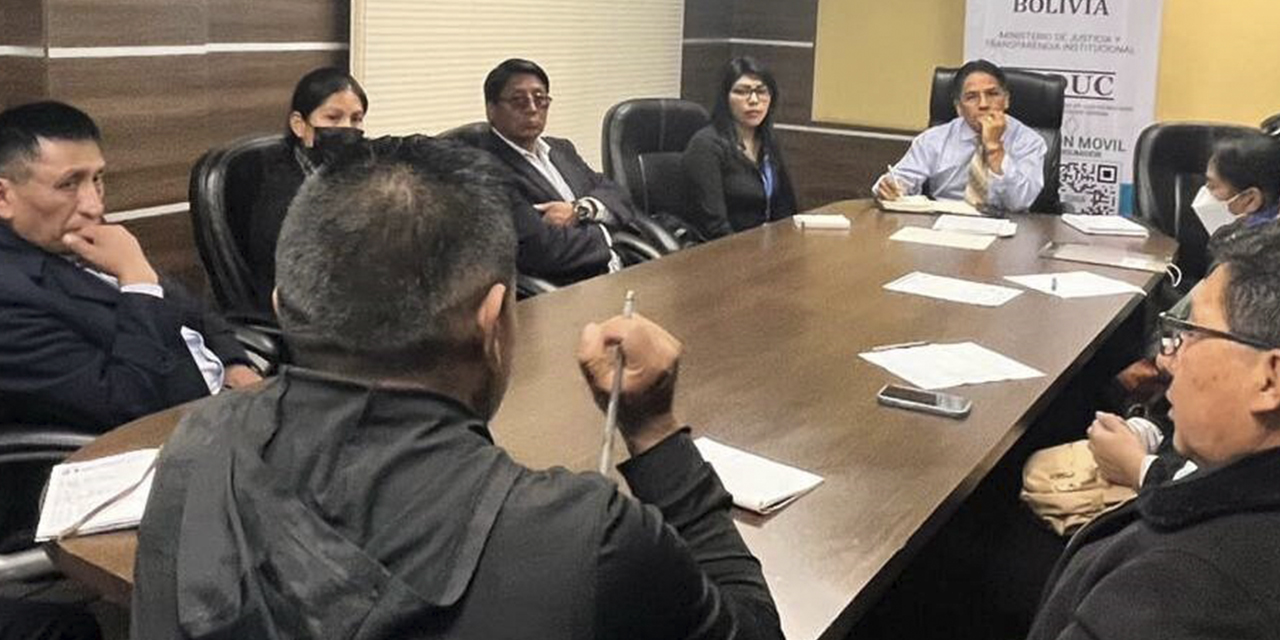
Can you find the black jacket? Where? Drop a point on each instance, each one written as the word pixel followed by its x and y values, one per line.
pixel 1194 558
pixel 725 188
pixel 261 187
pixel 76 351
pixel 561 254
pixel 321 507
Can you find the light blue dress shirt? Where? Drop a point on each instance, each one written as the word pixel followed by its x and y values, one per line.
pixel 940 155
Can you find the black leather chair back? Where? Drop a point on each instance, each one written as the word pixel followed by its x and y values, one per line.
pixel 1035 99
pixel 1168 169
pixel 643 140
pixel 216 225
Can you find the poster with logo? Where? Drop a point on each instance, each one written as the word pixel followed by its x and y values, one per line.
pixel 1108 50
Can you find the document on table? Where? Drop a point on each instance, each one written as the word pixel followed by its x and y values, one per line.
pixel 77 488
pixel 1106 256
pixel 1075 284
pixel 1105 225
pixel 756 484
pixel 925 204
pixel 939 366
pixel 981 226
pixel 953 289
pixel 954 239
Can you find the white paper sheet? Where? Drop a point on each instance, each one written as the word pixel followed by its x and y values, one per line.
pixel 957 207
pixel 939 366
pixel 981 226
pixel 1075 284
pixel 756 484
pixel 953 239
pixel 77 488
pixel 1105 225
pixel 953 289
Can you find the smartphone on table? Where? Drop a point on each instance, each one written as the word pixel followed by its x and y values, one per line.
pixel 943 404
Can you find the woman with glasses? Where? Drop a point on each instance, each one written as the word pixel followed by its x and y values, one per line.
pixel 733 169
pixel 327 111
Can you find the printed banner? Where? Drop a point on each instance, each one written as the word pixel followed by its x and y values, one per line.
pixel 1108 50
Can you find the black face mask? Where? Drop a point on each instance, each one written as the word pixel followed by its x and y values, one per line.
pixel 331 141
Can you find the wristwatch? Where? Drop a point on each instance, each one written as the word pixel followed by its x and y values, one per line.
pixel 587 210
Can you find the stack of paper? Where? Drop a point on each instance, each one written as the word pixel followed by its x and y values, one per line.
pixel 953 289
pixel 78 488
pixel 1076 284
pixel 924 204
pixel 1108 256
pixel 981 226
pixel 954 239
pixel 938 366
pixel 820 221
pixel 757 484
pixel 1105 225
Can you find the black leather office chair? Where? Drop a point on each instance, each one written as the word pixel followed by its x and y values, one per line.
pixel 1168 169
pixel 1036 100
pixel 215 234
pixel 1271 126
pixel 27 452
pixel 643 140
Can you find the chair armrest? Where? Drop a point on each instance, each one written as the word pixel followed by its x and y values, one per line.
pixel 264 344
pixel 657 235
pixel 25 565
pixel 528 286
pixel 39 443
pixel 633 249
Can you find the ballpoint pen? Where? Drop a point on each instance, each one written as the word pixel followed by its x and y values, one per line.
pixel 611 411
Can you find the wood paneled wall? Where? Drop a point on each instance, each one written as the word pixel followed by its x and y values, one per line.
pixel 145 71
pixel 827 161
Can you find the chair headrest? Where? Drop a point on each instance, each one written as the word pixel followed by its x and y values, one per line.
pixel 649 125
pixel 1034 98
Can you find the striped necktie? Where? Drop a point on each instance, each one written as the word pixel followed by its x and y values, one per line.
pixel 975 192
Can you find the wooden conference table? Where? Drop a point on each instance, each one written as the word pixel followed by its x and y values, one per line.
pixel 772 321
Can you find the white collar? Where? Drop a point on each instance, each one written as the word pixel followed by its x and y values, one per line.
pixel 542 150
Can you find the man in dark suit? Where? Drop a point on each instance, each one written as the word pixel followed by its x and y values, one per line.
pixel 88 335
pixel 563 225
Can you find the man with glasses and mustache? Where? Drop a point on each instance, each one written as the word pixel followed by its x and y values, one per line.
pixel 1198 556
pixel 984 156
pixel 568 211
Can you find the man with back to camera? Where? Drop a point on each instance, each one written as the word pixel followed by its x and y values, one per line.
pixel 89 335
pixel 360 493
pixel 984 156
pixel 1197 556
pixel 564 223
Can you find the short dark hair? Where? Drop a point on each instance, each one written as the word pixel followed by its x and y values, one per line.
pixel 498 78
pixel 385 255
pixel 1250 159
pixel 316 87
pixel 1252 296
pixel 722 116
pixel 977 66
pixel 22 128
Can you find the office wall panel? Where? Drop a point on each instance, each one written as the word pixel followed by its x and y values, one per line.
pixel 22 80
pixel 21 23
pixel 708 18
pixel 793 20
pixel 700 71
pixel 249 92
pixel 826 167
pixel 153 116
pixel 126 23
pixel 278 20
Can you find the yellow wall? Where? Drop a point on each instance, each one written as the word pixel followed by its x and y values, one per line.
pixel 1219 60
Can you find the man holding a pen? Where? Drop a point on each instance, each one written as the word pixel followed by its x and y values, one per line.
pixel 984 156
pixel 360 493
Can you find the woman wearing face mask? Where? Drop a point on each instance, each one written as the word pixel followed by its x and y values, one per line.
pixel 327 110
pixel 1242 186
pixel 733 169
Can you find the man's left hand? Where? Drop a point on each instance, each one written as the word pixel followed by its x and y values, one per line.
pixel 1117 450
pixel 559 214
pixel 238 375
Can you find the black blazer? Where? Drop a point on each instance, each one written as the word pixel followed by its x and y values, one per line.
pixel 561 254
pixel 726 189
pixel 75 351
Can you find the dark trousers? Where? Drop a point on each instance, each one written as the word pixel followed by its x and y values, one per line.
pixel 24 620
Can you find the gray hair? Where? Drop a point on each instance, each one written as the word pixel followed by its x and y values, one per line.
pixel 1252 295
pixel 385 255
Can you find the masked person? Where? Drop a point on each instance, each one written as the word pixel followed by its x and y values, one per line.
pixel 327 111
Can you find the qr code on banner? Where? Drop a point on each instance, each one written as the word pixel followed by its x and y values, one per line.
pixel 1091 187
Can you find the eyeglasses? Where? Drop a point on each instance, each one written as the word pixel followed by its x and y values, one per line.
pixel 760 91
pixel 540 101
pixel 1173 329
